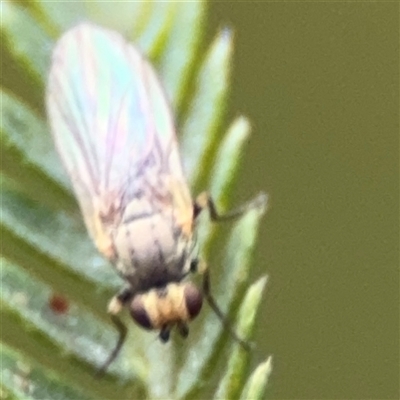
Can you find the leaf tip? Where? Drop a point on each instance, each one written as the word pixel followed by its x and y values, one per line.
pixel 260 203
pixel 6 13
pixel 223 42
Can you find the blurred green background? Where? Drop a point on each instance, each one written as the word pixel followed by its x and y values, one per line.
pixel 320 82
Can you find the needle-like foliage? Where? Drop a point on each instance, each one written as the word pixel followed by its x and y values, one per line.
pixel 51 353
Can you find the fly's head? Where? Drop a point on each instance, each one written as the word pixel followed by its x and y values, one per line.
pixel 173 305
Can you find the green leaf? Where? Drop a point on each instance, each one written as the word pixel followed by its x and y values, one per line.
pixel 232 381
pixel 46 251
pixel 180 50
pixel 28 42
pixel 257 383
pixel 228 159
pixel 18 376
pixel 152 38
pixel 25 50
pixel 25 139
pixel 205 113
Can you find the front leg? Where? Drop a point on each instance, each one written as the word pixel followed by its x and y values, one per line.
pixel 114 307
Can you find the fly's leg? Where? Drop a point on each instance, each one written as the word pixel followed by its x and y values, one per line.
pixel 122 331
pixel 183 329
pixel 165 334
pixel 204 200
pixel 114 307
pixel 213 304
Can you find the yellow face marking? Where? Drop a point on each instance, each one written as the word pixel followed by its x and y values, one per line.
pixel 166 307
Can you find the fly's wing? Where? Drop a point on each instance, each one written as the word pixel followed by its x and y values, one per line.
pixel 113 129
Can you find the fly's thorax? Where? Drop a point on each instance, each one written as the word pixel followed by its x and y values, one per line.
pixel 151 248
pixel 171 305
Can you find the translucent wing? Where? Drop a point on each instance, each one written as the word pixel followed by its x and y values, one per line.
pixel 113 128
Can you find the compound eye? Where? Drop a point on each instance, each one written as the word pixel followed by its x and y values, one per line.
pixel 193 300
pixel 139 313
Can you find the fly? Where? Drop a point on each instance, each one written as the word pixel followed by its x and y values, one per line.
pixel 115 134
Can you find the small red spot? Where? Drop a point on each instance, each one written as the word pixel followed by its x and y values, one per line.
pixel 58 303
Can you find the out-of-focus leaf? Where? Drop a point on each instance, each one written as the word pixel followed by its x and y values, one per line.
pixel 257 383
pixel 30 341
pixel 62 14
pixel 26 382
pixel 27 41
pixel 45 248
pixel 152 38
pixel 53 234
pixel 200 127
pixel 228 160
pixel 25 49
pixel 177 60
pixel 232 381
pixel 25 138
